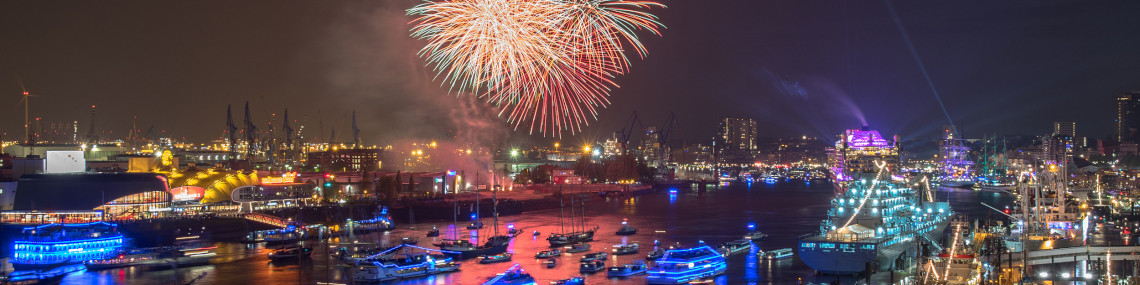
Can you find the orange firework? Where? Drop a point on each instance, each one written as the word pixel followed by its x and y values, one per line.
pixel 548 62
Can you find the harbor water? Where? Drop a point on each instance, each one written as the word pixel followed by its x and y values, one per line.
pixel 784 210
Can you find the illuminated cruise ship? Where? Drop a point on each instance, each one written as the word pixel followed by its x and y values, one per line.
pixel 53 245
pixel 681 266
pixel 876 221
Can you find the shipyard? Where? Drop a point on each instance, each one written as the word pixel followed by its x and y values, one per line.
pixel 508 142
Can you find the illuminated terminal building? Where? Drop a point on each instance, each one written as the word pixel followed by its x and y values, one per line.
pixel 860 151
pixel 273 192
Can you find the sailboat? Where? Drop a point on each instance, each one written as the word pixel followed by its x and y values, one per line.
pixel 495 244
pixel 565 238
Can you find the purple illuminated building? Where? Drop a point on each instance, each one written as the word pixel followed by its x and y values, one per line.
pixel 862 151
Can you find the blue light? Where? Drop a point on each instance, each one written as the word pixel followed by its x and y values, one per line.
pixel 751 226
pixel 451 172
pixel 473 217
pixel 673 191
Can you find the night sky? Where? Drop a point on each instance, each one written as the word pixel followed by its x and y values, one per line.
pixel 799 67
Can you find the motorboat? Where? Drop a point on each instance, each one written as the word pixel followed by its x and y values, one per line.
pixel 655 254
pixel 548 253
pixel 475 225
pixel 550 262
pixel 576 280
pixel 592 266
pixel 434 232
pixel 502 257
pixel 756 235
pixel 624 249
pixel 635 268
pixel 514 275
pixel 625 229
pixel 594 256
pixel 581 247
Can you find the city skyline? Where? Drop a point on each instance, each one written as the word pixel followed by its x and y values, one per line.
pixel 176 66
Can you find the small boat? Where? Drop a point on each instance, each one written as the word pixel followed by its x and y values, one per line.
pixel 434 232
pixel 594 256
pixel 550 262
pixel 625 229
pixel 475 225
pixel 513 275
pixel 684 265
pixel 756 235
pixel 734 247
pixel 536 233
pixel 635 268
pixel 292 252
pixel 779 253
pixel 548 253
pixel 576 280
pixel 511 230
pixel 624 249
pixel 409 240
pixel 502 257
pixel 581 247
pixel 592 266
pixel 655 254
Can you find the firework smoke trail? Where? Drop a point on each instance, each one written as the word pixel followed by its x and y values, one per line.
pixel 549 62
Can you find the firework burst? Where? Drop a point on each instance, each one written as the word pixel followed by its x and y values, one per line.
pixel 547 62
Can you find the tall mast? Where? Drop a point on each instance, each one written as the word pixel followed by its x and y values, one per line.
pixel 494 204
pixel 454 210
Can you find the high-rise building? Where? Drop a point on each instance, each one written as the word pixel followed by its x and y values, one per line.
pixel 1065 129
pixel 736 141
pixel 1127 120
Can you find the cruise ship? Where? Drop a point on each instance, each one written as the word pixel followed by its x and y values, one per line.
pixel 681 266
pixel 875 222
pixel 53 245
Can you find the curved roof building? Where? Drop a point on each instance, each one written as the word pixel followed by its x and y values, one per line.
pixel 84 191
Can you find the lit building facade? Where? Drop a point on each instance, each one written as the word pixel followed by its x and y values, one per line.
pixel 736 141
pixel 1127 120
pixel 345 160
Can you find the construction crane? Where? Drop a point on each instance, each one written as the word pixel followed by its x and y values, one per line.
pixel 250 133
pixel 627 132
pixel 355 132
pixel 663 136
pixel 231 129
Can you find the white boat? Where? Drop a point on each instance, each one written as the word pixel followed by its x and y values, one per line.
pixel 513 275
pixel 681 266
pixel 624 249
pixel 635 268
pixel 734 247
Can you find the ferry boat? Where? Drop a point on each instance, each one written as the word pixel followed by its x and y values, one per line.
pixel 779 254
pixel 54 245
pixel 581 247
pixel 513 276
pixel 594 256
pixel 548 253
pixel 502 257
pixel 734 247
pixel 401 263
pixel 876 220
pixel 624 249
pixel 635 268
pixel 592 266
pixel 163 257
pixel 680 266
pixel 625 229
pixel 289 234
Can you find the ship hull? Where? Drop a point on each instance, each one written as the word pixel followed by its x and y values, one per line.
pixel 848 258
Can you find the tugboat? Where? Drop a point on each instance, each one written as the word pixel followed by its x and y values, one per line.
pixel 514 275
pixel 625 229
pixel 635 268
pixel 592 266
pixel 680 266
pixel 624 249
pixel 502 257
pixel 594 256
pixel 55 245
pixel 290 253
pixel 581 247
pixel 548 253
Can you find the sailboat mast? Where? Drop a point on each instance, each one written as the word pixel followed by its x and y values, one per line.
pixel 561 218
pixel 454 210
pixel 494 204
